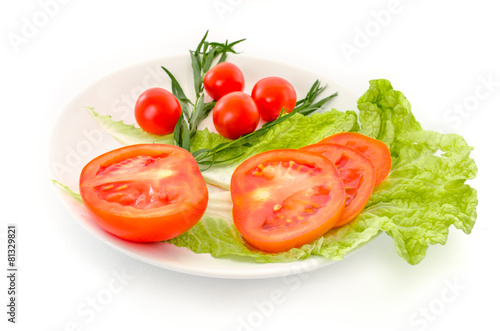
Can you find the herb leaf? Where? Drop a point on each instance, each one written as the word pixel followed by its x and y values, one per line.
pixel 306 106
pixel 179 93
pixel 182 136
pixel 202 59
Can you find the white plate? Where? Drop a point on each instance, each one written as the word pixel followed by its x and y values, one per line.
pixel 77 139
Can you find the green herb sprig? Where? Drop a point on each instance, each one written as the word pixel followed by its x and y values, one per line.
pixel 202 59
pixel 305 106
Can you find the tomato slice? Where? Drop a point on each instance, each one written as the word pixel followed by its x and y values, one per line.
pixel 144 193
pixel 375 150
pixel 357 173
pixel 286 198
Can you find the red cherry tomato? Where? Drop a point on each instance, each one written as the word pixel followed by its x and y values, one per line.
pixel 222 79
pixel 286 198
pixel 272 94
pixel 145 192
pixel 157 111
pixel 235 114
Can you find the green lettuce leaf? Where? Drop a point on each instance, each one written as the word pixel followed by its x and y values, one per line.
pixel 385 113
pixel 127 134
pixel 225 240
pixel 295 132
pixel 67 190
pixel 423 196
pixel 425 193
pixel 219 237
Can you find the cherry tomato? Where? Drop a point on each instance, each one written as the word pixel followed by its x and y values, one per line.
pixel 357 173
pixel 272 94
pixel 157 111
pixel 286 198
pixel 222 79
pixel 145 192
pixel 235 114
pixel 375 150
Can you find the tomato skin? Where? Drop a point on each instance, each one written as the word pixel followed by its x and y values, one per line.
pixel 168 171
pixel 235 114
pixel 357 172
pixel 222 79
pixel 375 150
pixel 157 111
pixel 286 198
pixel 272 94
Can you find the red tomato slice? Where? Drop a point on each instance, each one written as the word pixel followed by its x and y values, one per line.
pixel 144 193
pixel 286 198
pixel 357 173
pixel 375 150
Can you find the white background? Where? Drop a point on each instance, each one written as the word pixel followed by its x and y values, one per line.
pixel 437 53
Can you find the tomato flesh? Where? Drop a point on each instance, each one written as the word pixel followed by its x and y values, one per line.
pixel 375 150
pixel 357 173
pixel 145 193
pixel 141 194
pixel 298 206
pixel 286 198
